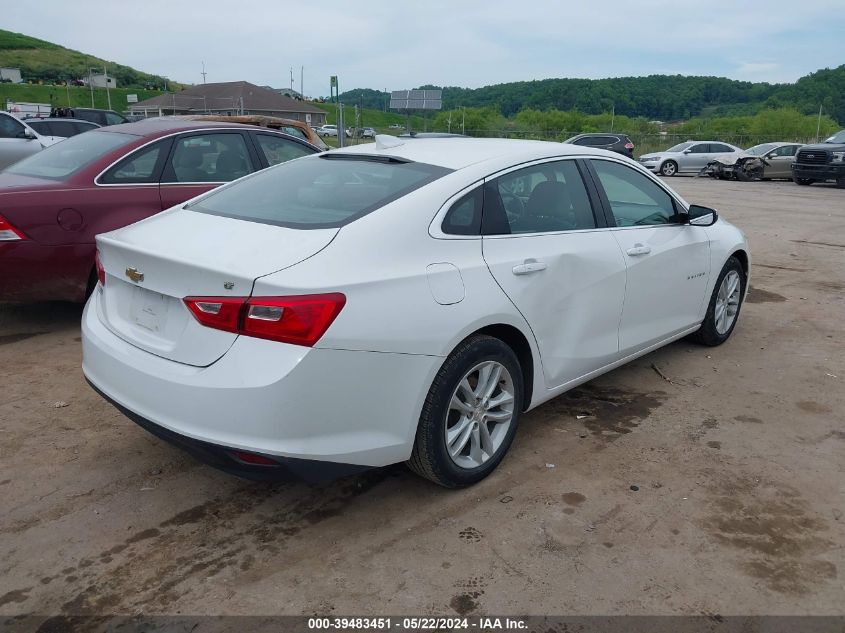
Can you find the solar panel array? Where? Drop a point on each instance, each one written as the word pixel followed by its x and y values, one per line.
pixel 416 100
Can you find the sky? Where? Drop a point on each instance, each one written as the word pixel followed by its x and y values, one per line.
pixel 383 44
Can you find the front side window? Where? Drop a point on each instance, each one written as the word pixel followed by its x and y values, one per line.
pixel 59 161
pixel 136 168
pixel 787 150
pixel 635 199
pixel 325 191
pixel 680 147
pixel 549 197
pixel 701 148
pixel 277 149
pixel 10 128
pixel 220 157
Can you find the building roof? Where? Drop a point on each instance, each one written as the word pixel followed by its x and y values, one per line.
pixel 227 95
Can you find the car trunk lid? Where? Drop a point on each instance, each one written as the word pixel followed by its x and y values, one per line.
pixel 152 265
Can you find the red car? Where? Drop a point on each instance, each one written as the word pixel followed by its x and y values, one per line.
pixel 53 203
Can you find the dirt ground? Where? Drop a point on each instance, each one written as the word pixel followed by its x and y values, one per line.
pixel 736 451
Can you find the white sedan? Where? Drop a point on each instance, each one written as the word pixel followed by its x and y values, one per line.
pixel 399 302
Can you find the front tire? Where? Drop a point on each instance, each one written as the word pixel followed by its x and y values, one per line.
pixel 840 183
pixel 725 303
pixel 669 168
pixel 470 414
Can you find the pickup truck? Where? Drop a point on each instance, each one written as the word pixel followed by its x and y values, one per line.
pixel 820 162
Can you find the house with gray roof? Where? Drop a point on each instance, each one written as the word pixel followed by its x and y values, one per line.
pixel 231 98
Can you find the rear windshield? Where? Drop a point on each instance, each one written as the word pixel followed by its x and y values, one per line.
pixel 318 192
pixel 59 161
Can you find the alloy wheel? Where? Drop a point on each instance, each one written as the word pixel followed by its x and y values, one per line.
pixel 727 302
pixel 480 413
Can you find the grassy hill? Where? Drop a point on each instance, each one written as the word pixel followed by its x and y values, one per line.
pixel 50 63
pixel 73 96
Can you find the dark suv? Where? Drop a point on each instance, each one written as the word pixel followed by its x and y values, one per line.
pixel 820 162
pixel 95 115
pixel 619 143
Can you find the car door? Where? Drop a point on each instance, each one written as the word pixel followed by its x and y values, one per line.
pixel 695 158
pixel 127 191
pixel 555 259
pixel 14 144
pixel 667 261
pixel 201 161
pixel 780 165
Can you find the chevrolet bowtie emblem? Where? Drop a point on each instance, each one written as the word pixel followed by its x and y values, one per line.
pixel 134 274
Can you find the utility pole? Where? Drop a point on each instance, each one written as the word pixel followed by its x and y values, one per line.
pixel 291 81
pixel 612 115
pixel 91 85
pixel 819 125
pixel 302 82
pixel 463 119
pixel 106 77
pixel 203 72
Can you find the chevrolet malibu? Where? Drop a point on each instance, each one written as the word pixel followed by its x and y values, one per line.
pixel 399 302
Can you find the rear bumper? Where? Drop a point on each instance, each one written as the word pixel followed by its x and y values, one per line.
pixel 286 401
pixel 819 172
pixel 225 458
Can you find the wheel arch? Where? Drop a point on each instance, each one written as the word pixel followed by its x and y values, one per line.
pixel 742 256
pixel 518 342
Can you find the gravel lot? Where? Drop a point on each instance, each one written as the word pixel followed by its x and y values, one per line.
pixel 737 453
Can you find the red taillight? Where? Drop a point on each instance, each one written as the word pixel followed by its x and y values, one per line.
pixel 629 145
pixel 101 272
pixel 221 313
pixel 8 232
pixel 299 320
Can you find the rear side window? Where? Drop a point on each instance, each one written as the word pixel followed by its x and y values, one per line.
pixel 137 168
pixel 549 197
pixel 215 157
pixel 114 119
pixel 277 149
pixel 326 191
pixel 464 216
pixel 718 147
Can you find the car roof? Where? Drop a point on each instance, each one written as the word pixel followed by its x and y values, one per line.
pixel 461 151
pixel 60 118
pixel 163 126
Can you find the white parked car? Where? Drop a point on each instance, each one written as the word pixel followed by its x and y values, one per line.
pixel 18 140
pixel 397 302
pixel 688 157
pixel 327 130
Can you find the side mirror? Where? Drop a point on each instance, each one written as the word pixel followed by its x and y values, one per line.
pixel 772 155
pixel 701 216
pixel 687 151
pixel 29 134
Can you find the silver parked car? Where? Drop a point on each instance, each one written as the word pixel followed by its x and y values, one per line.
pixel 688 157
pixel 18 140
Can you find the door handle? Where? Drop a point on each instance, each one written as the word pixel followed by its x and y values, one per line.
pixel 638 249
pixel 529 266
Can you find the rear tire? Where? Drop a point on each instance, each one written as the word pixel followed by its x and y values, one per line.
pixel 840 182
pixel 483 441
pixel 725 303
pixel 802 181
pixel 669 168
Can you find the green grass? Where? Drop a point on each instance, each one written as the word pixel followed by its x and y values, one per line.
pixel 73 96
